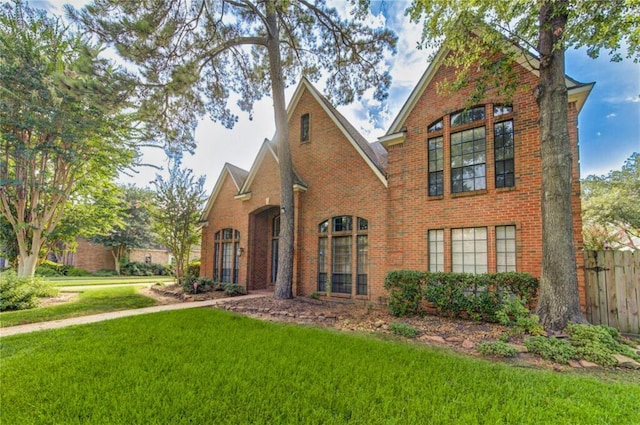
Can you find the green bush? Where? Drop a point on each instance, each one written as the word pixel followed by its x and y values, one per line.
pixel 138 268
pixel 403 329
pixel 555 349
pixel 193 268
pixel 406 289
pixel 49 269
pixel 77 272
pixel 597 344
pixel 456 294
pixel 20 293
pixel 497 348
pixel 515 315
pixel 232 289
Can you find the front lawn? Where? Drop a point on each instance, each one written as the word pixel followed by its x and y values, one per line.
pixel 109 280
pixel 205 366
pixel 92 301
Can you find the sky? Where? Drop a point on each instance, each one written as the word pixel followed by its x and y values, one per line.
pixel 609 123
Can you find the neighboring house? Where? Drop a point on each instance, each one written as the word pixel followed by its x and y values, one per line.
pixel 445 189
pixel 93 257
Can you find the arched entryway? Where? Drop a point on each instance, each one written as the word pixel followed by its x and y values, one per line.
pixel 264 230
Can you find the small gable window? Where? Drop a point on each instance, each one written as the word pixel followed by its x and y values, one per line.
pixel 467 115
pixel 499 110
pixel 436 126
pixel 304 128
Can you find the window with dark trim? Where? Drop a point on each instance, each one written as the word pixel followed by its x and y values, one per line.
pixel 226 265
pixel 349 251
pixel 436 126
pixel 304 128
pixel 467 116
pixel 468 156
pixel 504 155
pixel 436 166
pixel 499 110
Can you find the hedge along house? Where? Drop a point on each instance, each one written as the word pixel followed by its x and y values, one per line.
pixel 448 188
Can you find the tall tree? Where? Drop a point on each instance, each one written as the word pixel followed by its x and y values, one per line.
pixel 548 27
pixel 193 54
pixel 134 230
pixel 60 121
pixel 176 211
pixel 611 206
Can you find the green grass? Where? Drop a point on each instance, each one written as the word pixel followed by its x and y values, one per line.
pixel 109 280
pixel 92 301
pixel 205 366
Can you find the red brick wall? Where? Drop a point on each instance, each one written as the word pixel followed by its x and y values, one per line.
pixel 92 257
pixel 341 183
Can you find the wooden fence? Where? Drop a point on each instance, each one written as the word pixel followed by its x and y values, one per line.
pixel 612 283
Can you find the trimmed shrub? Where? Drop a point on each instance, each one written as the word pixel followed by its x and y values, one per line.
pixel 406 288
pixel 105 273
pixel 77 272
pixel 193 268
pixel 20 293
pixel 455 294
pixel 232 289
pixel 49 268
pixel 138 268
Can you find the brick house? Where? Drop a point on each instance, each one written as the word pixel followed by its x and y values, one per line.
pixel 445 189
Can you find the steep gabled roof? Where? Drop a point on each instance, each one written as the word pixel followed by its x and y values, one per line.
pixel 237 175
pixel 578 92
pixel 267 148
pixel 375 160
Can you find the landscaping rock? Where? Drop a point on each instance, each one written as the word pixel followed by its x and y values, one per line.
pixel 433 338
pixel 588 365
pixel 454 339
pixel 626 362
pixel 466 344
pixel 379 323
pixel 575 364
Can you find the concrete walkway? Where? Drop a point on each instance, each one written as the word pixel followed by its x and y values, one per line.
pixel 72 321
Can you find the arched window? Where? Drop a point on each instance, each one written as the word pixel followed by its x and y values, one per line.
pixel 226 250
pixel 349 251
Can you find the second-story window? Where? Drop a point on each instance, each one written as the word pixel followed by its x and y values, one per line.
pixel 304 128
pixel 468 160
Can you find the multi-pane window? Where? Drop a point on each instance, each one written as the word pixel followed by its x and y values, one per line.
pixel 341 264
pixel 349 250
pixel 499 110
pixel 322 264
pixel 468 156
pixel 226 249
pixel 362 249
pixel 304 128
pixel 436 250
pixel 503 149
pixel 436 166
pixel 469 250
pixel 436 126
pixel 505 248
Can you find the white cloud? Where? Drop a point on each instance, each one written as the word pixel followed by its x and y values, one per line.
pixel 633 99
pixel 611 115
pixel 598 134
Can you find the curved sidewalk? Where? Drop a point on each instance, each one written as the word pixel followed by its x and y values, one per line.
pixel 82 320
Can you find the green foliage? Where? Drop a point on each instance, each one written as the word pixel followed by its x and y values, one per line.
pixel 314 295
pixel 232 289
pixel 193 268
pixel 554 349
pixel 176 212
pixel 610 207
pixel 62 123
pixel 405 292
pixel 20 293
pixel 105 273
pixel 137 268
pixel 402 329
pixel 515 315
pixel 497 348
pixel 455 294
pixel 598 343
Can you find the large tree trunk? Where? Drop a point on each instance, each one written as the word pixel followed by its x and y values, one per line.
pixel 284 280
pixel 559 301
pixel 29 245
pixel 27 265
